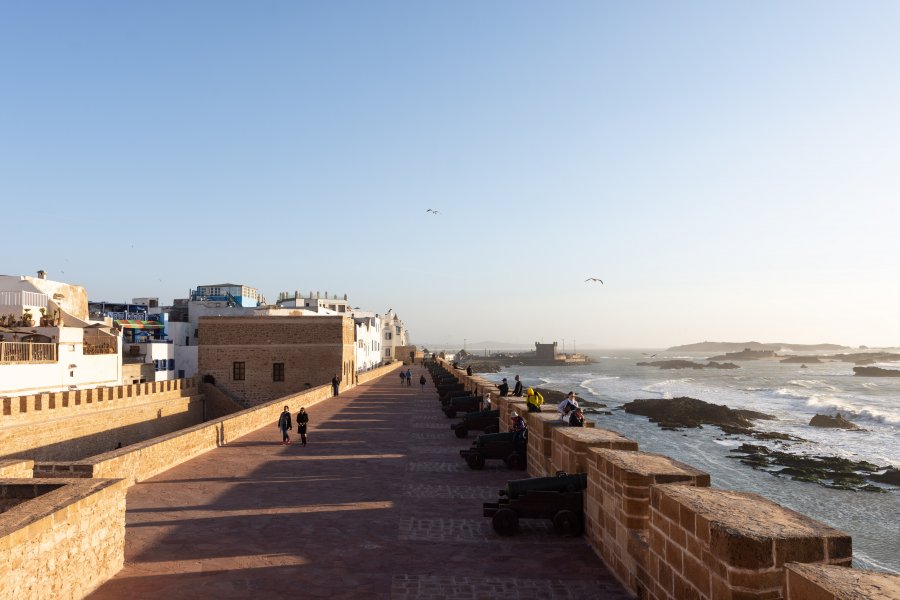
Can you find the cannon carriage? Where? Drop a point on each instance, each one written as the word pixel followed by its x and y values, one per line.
pixel 508 446
pixel 468 403
pixel 487 421
pixel 559 498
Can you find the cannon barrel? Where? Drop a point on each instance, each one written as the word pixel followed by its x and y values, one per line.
pixel 482 414
pixel 561 482
pixel 453 394
pixel 494 438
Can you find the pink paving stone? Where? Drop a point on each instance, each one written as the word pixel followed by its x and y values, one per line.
pixel 256 519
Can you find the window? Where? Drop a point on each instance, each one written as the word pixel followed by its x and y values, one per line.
pixel 171 364
pixel 387 335
pixel 398 330
pixel 237 372
pixel 387 352
pixel 277 371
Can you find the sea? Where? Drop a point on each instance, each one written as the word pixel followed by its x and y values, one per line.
pixel 790 393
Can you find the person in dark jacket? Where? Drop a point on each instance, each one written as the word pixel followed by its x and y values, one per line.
pixel 408 378
pixel 284 424
pixel 576 418
pixel 422 382
pixel 469 370
pixel 335 384
pixel 503 387
pixel 302 421
pixel 517 390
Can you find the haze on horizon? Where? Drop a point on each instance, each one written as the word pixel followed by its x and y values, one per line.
pixel 729 170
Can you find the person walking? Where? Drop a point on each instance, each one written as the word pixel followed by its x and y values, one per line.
pixel 408 378
pixel 302 421
pixel 422 382
pixel 402 377
pixel 517 390
pixel 284 424
pixel 335 384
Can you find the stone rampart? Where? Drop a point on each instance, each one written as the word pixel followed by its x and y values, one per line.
pixel 37 408
pixel 60 538
pixel 667 535
pixel 145 459
pixel 16 469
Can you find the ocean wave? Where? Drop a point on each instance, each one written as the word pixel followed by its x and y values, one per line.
pixel 586 384
pixel 545 379
pixel 663 388
pixel 856 412
pixel 810 384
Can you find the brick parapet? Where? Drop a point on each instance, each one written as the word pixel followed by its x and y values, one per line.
pixel 617 507
pixel 540 441
pixel 64 540
pixel 825 582
pixel 16 469
pixel 569 450
pixel 37 408
pixel 711 543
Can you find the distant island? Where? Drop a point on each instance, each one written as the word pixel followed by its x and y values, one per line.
pixel 875 372
pixel 756 346
pixel 686 364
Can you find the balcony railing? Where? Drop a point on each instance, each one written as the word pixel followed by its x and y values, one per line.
pixel 26 352
pixel 99 345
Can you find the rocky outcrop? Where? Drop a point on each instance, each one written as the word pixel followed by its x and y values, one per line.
pixel 802 359
pixel 835 422
pixel 875 372
pixel 682 412
pixel 746 354
pixel 829 471
pixel 686 364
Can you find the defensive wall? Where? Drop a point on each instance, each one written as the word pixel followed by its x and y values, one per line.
pixel 62 523
pixel 667 535
pixel 75 424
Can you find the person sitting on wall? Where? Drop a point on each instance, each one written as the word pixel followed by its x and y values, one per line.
pixel 517 391
pixel 503 387
pixel 566 407
pixel 519 427
pixel 576 418
pixel 534 400
pixel 469 370
pixel 284 424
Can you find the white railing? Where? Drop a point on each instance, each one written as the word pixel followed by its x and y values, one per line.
pixel 20 299
pixel 26 352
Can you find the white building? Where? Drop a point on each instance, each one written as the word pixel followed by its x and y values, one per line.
pixel 317 303
pixel 368 340
pixel 48 343
pixel 394 334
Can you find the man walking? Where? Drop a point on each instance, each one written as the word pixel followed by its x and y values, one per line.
pixel 335 384
pixel 284 424
pixel 408 378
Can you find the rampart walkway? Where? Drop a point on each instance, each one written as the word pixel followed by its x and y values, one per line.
pixel 378 505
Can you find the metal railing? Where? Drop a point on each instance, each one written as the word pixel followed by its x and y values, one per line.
pixel 26 352
pixel 100 345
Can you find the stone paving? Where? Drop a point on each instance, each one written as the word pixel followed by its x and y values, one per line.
pixel 378 505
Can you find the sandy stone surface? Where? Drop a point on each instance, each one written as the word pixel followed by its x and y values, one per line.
pixel 378 505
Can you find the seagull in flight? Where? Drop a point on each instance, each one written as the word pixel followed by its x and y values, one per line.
pixel 433 211
pixel 593 279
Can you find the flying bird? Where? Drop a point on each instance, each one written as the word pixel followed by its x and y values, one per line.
pixel 433 211
pixel 593 279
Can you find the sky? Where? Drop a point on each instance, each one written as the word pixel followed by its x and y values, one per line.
pixel 731 171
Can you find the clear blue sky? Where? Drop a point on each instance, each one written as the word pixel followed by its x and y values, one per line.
pixel 731 170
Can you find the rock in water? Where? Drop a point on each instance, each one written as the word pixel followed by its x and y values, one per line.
pixel 690 412
pixel 835 422
pixel 875 372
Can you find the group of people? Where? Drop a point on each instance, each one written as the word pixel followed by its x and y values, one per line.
pixel 406 379
pixel 285 425
pixel 569 411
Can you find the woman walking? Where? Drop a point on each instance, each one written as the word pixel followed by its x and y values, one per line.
pixel 302 420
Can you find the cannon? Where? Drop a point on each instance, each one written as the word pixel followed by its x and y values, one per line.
pixel 559 498
pixel 446 398
pixel 485 420
pixel 508 446
pixel 465 404
pixel 446 388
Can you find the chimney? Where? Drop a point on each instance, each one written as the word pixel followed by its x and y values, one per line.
pixel 42 274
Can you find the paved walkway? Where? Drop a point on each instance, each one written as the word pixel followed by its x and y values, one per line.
pixel 378 505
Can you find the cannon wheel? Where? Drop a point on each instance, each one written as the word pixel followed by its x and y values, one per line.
pixel 461 431
pixel 505 521
pixel 475 460
pixel 451 413
pixel 567 523
pixel 515 461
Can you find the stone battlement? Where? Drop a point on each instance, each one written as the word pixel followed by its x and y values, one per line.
pixel 667 535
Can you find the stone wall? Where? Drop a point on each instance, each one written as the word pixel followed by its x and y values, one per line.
pixel 73 425
pixel 311 349
pixel 144 460
pixel 16 469
pixel 667 535
pixel 61 538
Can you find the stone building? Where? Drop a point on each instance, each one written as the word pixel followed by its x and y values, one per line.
pixel 260 358
pixel 394 335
